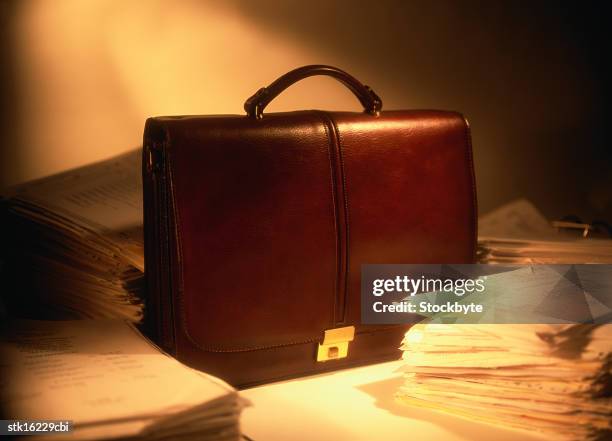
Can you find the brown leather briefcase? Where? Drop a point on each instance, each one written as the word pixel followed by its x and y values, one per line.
pixel 257 225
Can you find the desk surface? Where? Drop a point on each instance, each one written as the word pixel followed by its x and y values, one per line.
pixel 355 404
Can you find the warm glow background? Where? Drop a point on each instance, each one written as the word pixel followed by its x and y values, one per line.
pixel 79 77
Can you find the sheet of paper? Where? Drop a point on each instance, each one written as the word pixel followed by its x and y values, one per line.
pixel 517 233
pixel 78 239
pixel 519 218
pixel 107 194
pixel 95 373
pixel 548 378
pixel 105 197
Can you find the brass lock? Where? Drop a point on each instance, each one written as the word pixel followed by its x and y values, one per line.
pixel 335 343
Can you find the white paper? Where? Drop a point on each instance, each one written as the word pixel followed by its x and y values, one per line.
pixel 105 198
pixel 101 374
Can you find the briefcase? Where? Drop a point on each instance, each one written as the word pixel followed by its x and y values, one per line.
pixel 256 227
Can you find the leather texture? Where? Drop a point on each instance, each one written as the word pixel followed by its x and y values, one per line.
pixel 256 230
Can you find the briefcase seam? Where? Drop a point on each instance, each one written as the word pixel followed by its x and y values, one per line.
pixel 336 221
pixel 178 235
pixel 342 232
pixel 470 159
pixel 346 217
pixel 282 345
pixel 164 328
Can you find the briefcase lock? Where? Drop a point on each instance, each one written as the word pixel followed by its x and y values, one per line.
pixel 335 343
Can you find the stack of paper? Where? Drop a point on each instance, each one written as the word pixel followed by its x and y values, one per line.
pixel 517 233
pixel 110 382
pixel 556 380
pixel 530 251
pixel 76 243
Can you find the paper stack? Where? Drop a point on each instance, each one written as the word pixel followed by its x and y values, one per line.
pixel 517 233
pixel 555 380
pixel 529 251
pixel 75 243
pixel 110 383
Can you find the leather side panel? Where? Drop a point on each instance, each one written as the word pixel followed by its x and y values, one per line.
pixel 158 310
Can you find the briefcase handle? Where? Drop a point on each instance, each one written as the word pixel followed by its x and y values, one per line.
pixel 256 104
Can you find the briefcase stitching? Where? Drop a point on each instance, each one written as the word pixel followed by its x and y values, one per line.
pixel 346 216
pixel 335 216
pixel 470 159
pixel 340 221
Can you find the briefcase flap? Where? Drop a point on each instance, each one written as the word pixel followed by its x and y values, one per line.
pixel 271 218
